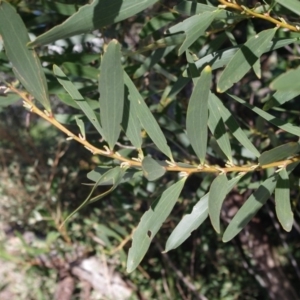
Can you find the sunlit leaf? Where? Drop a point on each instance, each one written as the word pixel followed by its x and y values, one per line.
pixel 245 58
pixel 292 5
pixel 111 89
pixel 194 27
pixel 217 127
pixel 284 125
pixel 150 223
pixel 197 114
pixel 282 201
pixel 219 188
pixel 279 153
pixel 146 118
pixel 93 16
pixel 152 169
pixel 26 65
pixel 250 208
pixel 280 98
pixel 68 100
pixel 188 224
pixel 77 97
pixel 287 82
pixel 221 58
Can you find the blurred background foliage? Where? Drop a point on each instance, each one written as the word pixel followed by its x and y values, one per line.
pixel 42 178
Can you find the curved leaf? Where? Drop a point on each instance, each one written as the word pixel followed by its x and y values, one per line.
pixel 245 58
pixel 146 118
pixel 150 223
pixel 77 97
pixel 250 208
pixel 26 65
pixel 197 114
pixel 292 5
pixel 219 189
pixel 111 89
pixel 279 153
pixel 188 224
pixel 282 201
pixel 93 16
pixel 152 169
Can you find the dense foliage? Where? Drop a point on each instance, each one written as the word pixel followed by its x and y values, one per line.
pixel 190 112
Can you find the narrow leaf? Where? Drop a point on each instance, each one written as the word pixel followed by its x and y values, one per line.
pixel 150 223
pixel 152 169
pixel 245 58
pixel 280 98
pixel 287 82
pixel 279 153
pixel 116 174
pixel 194 27
pixel 234 127
pixel 282 201
pixel 26 65
pixel 130 122
pixel 93 16
pixel 197 114
pixel 80 101
pixel 250 208
pixel 221 58
pixel 146 118
pixel 219 189
pixel 188 224
pixel 217 127
pixel 284 125
pixel 292 5
pixel 217 194
pixel 111 89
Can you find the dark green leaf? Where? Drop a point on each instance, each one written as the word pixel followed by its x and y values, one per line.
pixel 284 125
pixel 152 169
pixel 280 98
pixel 93 16
pixel 282 201
pixel 26 65
pixel 146 118
pixel 150 223
pixel 188 224
pixel 245 58
pixel 217 127
pixel 250 208
pixel 279 153
pixel 8 99
pixel 197 114
pixel 194 27
pixel 80 101
pixel 111 89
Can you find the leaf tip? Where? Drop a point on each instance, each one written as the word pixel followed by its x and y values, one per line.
pixel 207 69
